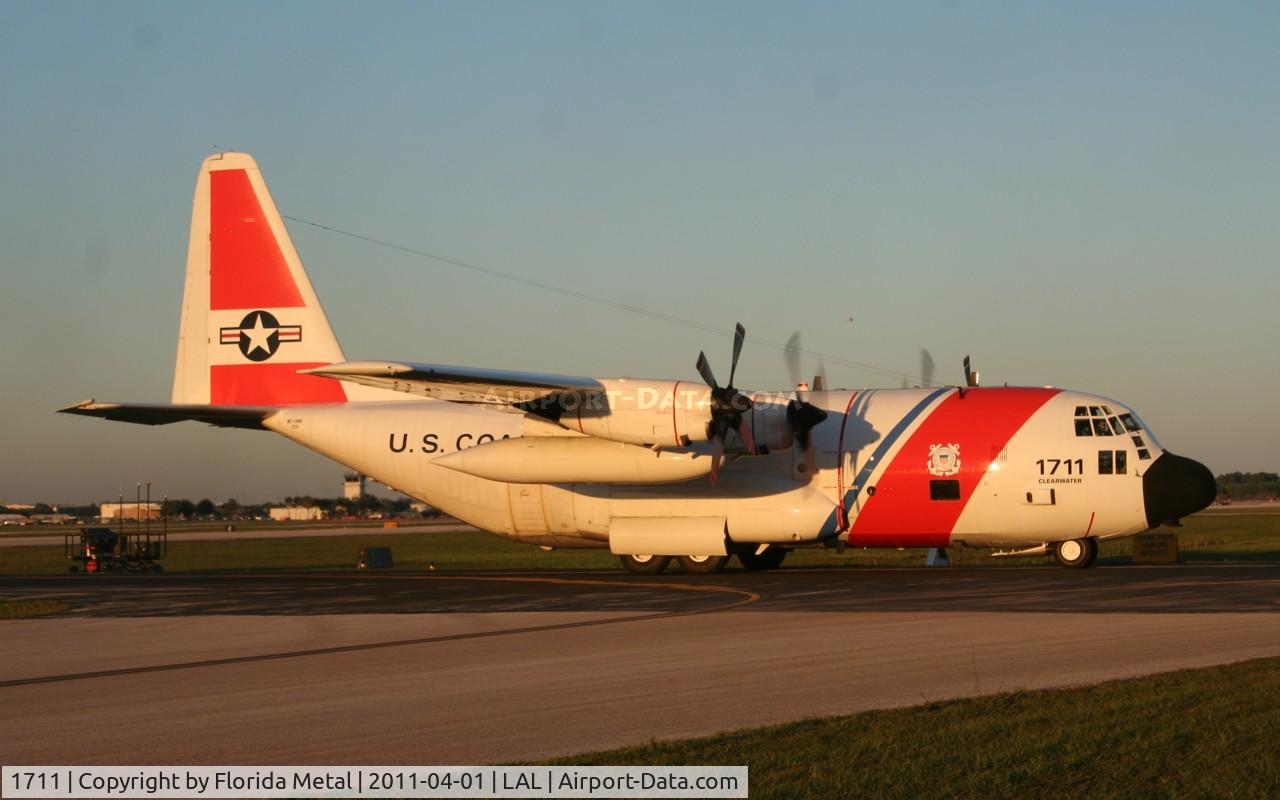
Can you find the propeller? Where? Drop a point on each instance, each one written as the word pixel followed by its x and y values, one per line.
pixel 820 377
pixel 926 372
pixel 802 415
pixel 792 353
pixel 728 405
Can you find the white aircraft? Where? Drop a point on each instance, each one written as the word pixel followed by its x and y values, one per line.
pixel 636 465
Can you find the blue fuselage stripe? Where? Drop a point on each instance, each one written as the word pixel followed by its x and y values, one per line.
pixel 886 444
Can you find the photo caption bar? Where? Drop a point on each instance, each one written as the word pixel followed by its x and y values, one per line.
pixel 371 781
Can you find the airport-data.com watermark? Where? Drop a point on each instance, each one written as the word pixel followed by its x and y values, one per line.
pixel 353 781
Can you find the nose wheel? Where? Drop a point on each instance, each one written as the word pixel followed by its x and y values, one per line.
pixel 1076 553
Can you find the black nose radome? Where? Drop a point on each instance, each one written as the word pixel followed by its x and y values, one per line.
pixel 1174 487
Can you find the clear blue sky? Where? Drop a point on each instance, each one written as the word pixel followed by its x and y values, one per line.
pixel 1079 194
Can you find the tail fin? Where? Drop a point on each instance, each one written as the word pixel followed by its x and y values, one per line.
pixel 250 319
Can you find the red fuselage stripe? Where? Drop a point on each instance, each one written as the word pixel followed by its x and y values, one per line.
pixel 979 426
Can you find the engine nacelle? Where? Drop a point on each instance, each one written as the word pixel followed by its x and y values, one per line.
pixel 768 422
pixel 672 414
pixel 664 413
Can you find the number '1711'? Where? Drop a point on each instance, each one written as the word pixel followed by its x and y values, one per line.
pixel 1050 466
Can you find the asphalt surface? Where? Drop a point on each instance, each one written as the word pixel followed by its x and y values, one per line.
pixel 487 667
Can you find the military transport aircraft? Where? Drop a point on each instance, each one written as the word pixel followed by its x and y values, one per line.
pixel 651 469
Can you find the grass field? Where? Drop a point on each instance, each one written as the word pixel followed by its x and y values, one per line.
pixel 1246 536
pixel 1207 733
pixel 22 609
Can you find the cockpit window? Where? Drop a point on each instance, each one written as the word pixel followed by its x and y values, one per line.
pixel 1102 421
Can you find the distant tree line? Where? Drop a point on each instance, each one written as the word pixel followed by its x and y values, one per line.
pixel 233 509
pixel 1249 485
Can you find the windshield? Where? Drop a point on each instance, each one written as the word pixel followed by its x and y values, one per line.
pixel 1103 420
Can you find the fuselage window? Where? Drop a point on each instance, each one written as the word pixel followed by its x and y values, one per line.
pixel 1100 427
pixel 944 490
pixel 1143 455
pixel 1104 462
pixel 1084 427
pixel 1138 441
pixel 1122 462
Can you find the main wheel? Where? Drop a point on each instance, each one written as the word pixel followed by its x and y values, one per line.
pixel 702 565
pixel 645 565
pixel 1076 553
pixel 769 559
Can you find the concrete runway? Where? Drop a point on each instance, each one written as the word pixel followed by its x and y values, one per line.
pixel 482 667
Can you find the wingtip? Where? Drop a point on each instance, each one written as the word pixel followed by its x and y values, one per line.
pixel 76 407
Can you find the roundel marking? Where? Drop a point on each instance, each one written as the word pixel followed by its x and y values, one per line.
pixel 260 335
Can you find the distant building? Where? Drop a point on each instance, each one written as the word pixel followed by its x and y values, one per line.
pixel 353 486
pixel 21 506
pixel 296 513
pixel 108 511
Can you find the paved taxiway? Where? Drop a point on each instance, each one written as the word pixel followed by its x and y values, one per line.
pixel 401 668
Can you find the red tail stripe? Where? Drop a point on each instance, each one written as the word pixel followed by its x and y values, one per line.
pixel 270 385
pixel 246 266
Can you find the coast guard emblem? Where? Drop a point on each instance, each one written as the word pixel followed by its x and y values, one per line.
pixel 944 459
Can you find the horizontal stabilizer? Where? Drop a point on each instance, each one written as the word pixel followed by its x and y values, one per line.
pixel 162 414
pixel 457 384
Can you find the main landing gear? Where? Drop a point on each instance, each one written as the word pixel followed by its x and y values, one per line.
pixel 1076 553
pixel 645 565
pixel 704 565
pixel 694 565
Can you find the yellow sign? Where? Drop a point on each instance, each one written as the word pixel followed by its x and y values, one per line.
pixel 1155 548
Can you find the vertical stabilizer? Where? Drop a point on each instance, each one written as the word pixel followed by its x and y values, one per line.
pixel 250 319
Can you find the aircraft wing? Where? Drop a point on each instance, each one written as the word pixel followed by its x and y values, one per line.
pixel 458 384
pixel 163 414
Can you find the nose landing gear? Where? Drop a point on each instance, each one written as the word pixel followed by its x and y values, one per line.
pixel 1076 553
